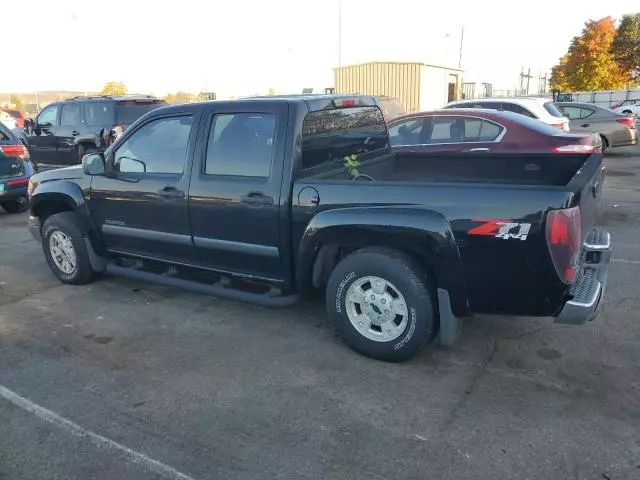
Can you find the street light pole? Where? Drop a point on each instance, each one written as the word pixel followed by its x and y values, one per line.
pixel 461 42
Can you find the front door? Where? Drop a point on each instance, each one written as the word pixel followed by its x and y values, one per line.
pixel 42 137
pixel 235 190
pixel 140 205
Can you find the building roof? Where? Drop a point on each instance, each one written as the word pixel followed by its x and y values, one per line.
pixel 444 67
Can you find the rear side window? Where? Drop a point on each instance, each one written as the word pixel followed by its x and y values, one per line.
pixel 330 135
pixel 515 108
pixel 552 109
pixel 98 113
pixel 70 115
pixel 241 144
pixel 463 130
pixel 5 134
pixel 128 111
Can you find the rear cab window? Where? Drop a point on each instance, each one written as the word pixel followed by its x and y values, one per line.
pixel 128 111
pixel 328 136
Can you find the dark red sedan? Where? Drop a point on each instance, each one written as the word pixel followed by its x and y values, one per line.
pixel 476 130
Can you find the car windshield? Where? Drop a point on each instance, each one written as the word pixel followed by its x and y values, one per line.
pixel 129 111
pixel 553 110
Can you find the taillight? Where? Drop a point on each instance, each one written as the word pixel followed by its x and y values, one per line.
pixel 629 122
pixel 15 151
pixel 577 148
pixel 564 231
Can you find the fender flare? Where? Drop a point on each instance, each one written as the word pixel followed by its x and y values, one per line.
pixel 70 194
pixel 424 233
pixel 91 138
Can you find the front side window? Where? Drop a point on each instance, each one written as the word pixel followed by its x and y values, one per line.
pixel 159 146
pixel 70 115
pixel 408 132
pixel 241 144
pixel 48 115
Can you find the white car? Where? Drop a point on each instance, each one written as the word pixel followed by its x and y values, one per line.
pixel 540 108
pixel 629 107
pixel 8 120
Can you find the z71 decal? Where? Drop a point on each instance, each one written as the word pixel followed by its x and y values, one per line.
pixel 504 229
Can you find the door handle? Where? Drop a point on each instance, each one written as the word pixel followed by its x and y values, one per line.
pixel 75 133
pixel 584 125
pixel 256 199
pixel 171 192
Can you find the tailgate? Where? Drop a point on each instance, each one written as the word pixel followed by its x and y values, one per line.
pixel 588 183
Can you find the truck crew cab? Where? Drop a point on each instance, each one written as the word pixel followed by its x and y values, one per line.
pixel 266 199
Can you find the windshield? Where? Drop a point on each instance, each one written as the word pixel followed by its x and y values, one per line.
pixel 129 111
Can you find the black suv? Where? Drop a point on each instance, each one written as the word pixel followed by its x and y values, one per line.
pixel 64 131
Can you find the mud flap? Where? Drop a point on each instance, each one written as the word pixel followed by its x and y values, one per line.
pixel 450 325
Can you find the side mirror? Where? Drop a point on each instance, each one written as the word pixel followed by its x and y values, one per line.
pixel 93 164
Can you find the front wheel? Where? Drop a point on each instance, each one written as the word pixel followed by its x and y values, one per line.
pixel 65 250
pixel 382 304
pixel 19 205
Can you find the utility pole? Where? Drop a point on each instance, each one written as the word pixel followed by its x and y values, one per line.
pixel 461 43
pixel 339 33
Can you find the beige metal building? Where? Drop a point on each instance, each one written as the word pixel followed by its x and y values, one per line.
pixel 418 86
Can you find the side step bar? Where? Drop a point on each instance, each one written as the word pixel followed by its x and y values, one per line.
pixel 218 290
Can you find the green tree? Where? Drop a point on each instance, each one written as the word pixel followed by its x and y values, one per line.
pixel 179 97
pixel 589 64
pixel 626 45
pixel 114 88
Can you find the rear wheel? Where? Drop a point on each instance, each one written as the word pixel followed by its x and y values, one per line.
pixel 627 112
pixel 64 247
pixel 19 205
pixel 605 143
pixel 381 304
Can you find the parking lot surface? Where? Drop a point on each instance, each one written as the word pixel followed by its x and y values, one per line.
pixel 128 380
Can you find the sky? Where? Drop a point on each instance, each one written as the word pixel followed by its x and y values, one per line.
pixel 243 47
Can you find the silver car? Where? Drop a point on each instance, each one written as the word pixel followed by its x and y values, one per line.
pixel 615 128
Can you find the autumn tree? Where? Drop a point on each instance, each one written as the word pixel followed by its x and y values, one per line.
pixel 558 79
pixel 179 97
pixel 589 64
pixel 114 89
pixel 17 102
pixel 626 45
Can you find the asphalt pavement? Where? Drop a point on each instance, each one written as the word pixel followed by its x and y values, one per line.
pixel 127 380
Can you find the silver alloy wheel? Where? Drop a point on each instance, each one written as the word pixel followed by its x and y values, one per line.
pixel 376 309
pixel 62 252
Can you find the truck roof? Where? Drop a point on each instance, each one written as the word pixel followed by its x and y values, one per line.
pixel 313 101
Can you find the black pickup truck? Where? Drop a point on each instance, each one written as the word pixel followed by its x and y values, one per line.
pixel 266 199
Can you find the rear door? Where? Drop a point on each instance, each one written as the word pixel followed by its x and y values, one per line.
pixel 234 196
pixel 71 126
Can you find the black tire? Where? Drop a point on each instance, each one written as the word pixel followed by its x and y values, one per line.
pixel 605 143
pixel 627 112
pixel 403 274
pixel 18 205
pixel 66 223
